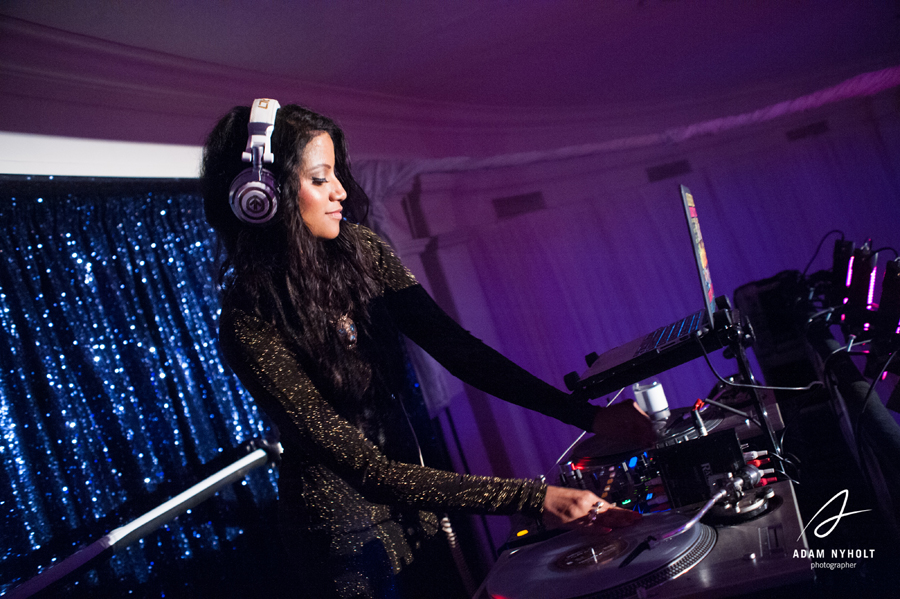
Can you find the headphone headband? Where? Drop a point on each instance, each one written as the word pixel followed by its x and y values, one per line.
pixel 259 129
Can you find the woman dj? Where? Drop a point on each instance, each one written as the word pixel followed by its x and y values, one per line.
pixel 312 310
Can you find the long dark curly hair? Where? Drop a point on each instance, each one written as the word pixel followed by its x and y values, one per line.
pixel 281 272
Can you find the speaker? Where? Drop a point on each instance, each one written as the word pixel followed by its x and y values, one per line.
pixel 254 192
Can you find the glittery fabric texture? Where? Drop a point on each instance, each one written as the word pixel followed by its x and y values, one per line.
pixel 340 493
pixel 113 397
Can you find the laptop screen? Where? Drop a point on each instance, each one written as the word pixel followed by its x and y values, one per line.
pixel 690 212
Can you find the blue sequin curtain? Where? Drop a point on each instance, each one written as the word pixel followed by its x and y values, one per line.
pixel 113 397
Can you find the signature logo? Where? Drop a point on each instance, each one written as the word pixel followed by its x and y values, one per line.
pixel 835 519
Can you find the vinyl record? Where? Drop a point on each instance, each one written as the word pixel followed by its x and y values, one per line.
pixel 582 564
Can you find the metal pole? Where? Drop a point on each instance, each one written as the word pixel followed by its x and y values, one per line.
pixel 137 528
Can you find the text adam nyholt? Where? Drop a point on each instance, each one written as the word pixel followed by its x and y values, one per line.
pixel 835 553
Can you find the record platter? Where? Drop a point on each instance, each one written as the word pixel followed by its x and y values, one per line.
pixel 582 563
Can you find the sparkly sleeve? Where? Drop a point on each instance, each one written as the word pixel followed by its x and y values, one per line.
pixel 394 275
pixel 275 378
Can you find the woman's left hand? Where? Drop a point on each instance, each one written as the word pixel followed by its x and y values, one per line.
pixel 576 508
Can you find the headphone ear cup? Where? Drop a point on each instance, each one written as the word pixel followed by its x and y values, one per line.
pixel 253 196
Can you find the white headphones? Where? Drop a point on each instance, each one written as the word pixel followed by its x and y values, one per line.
pixel 254 192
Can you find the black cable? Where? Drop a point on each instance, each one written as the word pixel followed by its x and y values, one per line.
pixel 830 388
pixel 826 312
pixel 869 392
pixel 786 475
pixel 787 461
pixel 796 415
pixel 825 372
pixel 743 415
pixel 856 428
pixel 809 387
pixel 843 350
pixel 820 247
pixel 583 433
pixel 887 247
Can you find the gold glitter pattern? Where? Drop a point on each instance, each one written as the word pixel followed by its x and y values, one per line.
pixel 328 442
pixel 395 276
pixel 338 491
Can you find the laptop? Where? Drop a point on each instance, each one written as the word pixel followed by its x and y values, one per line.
pixel 666 347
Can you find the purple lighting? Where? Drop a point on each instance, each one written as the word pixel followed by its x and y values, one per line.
pixel 871 295
pixel 871 288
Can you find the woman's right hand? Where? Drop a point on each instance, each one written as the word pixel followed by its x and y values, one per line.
pixel 574 507
pixel 622 427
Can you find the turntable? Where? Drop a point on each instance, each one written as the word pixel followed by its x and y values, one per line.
pixel 582 563
pixel 707 561
pixel 742 539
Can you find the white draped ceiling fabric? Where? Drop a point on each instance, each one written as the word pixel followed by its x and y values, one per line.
pixel 546 255
pixel 604 255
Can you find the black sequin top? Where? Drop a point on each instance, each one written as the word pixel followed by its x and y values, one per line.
pixel 340 492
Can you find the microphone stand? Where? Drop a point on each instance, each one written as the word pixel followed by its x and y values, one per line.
pixel 141 526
